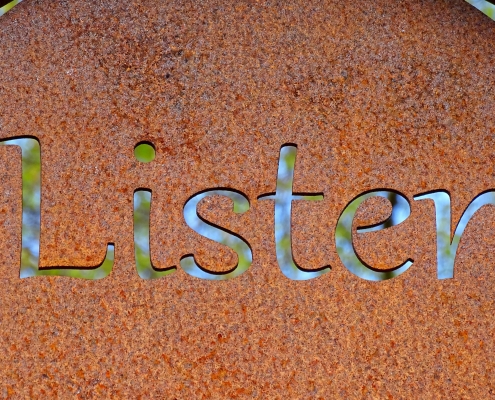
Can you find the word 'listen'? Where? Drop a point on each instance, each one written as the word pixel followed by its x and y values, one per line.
pixel 282 198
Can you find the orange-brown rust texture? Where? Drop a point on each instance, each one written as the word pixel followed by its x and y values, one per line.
pixel 376 94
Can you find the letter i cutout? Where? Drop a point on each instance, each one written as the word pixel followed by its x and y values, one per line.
pixel 145 152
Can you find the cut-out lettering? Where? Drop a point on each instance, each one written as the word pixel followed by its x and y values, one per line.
pixel 142 211
pixel 217 234
pixel 283 198
pixel 446 248
pixel 343 235
pixel 144 152
pixel 31 220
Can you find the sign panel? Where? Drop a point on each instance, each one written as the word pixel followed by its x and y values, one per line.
pixel 247 200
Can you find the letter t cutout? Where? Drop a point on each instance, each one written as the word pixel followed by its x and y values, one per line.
pixel 283 212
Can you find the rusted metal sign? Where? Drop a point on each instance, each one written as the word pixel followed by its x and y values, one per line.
pixel 265 200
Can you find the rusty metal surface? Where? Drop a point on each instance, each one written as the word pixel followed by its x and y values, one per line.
pixel 375 95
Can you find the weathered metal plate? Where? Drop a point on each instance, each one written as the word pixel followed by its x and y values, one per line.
pixel 376 95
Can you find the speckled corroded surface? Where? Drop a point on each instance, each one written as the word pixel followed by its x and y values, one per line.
pixel 376 94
